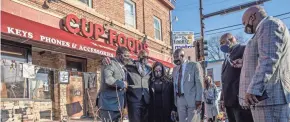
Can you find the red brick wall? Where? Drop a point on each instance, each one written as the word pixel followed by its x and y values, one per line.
pixel 114 9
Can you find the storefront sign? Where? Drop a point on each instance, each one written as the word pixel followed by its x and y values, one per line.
pixel 95 31
pixel 42 33
pixel 182 39
pixel 54 41
pixel 83 40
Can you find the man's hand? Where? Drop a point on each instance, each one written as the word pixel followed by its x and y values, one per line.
pixel 222 105
pixel 198 104
pixel 238 63
pixel 173 115
pixel 251 99
pixel 106 61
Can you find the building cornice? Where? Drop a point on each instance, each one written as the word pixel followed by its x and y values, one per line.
pixel 91 11
pixel 168 4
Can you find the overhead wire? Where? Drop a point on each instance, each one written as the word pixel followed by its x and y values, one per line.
pixel 233 29
pixel 184 7
pixel 222 28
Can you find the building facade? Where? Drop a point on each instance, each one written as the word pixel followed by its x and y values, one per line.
pixel 214 69
pixel 51 51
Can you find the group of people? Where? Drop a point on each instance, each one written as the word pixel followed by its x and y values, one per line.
pixel 256 77
pixel 150 94
pixel 255 80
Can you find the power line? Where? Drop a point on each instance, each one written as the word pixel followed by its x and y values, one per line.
pixel 223 28
pixel 285 18
pixel 196 5
pixel 242 24
pixel 225 31
pixel 234 29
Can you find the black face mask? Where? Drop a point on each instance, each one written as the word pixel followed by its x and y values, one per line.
pixel 157 74
pixel 249 29
pixel 177 62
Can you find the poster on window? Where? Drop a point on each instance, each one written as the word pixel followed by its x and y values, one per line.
pixel 75 95
pixel 63 77
pixel 29 70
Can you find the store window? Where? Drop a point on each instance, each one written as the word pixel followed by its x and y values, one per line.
pixel 130 14
pixel 157 28
pixel 13 84
pixel 41 86
pixel 87 2
pixel 76 64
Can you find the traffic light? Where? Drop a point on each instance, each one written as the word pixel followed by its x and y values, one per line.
pixel 197 49
pixel 204 48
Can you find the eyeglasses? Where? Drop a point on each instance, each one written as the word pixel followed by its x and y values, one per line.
pixel 146 57
pixel 158 70
pixel 125 55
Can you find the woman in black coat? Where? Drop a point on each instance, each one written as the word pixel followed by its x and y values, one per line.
pixel 161 94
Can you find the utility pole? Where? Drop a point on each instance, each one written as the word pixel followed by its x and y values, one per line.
pixel 200 52
pixel 201 21
pixel 199 44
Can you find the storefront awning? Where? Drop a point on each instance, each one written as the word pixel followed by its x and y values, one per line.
pixel 21 27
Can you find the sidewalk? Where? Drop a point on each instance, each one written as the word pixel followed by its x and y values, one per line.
pixel 89 120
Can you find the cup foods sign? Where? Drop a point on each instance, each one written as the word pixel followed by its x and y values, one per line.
pixel 182 39
pixel 94 31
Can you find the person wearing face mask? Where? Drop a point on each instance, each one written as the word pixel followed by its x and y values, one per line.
pixel 187 80
pixel 265 81
pixel 162 100
pixel 111 97
pixel 230 80
pixel 138 96
pixel 138 76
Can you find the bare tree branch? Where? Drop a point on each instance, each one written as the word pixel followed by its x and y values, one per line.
pixel 214 48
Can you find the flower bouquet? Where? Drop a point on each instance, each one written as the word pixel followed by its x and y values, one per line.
pixel 221 117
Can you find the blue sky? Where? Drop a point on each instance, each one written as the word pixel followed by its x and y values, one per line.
pixel 187 12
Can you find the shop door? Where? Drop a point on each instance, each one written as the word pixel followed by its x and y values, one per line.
pixel 75 89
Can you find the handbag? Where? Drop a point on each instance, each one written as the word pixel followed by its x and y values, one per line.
pixel 196 117
pixel 209 101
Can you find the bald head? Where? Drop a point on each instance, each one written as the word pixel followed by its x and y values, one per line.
pixel 178 56
pixel 178 51
pixel 252 17
pixel 227 38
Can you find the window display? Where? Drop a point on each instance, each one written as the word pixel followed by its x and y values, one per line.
pixel 13 85
pixel 41 85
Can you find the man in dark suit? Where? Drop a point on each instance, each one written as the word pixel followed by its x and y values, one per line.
pixel 138 96
pixel 112 91
pixel 230 80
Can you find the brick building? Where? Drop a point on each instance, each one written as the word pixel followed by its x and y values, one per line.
pixel 47 47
